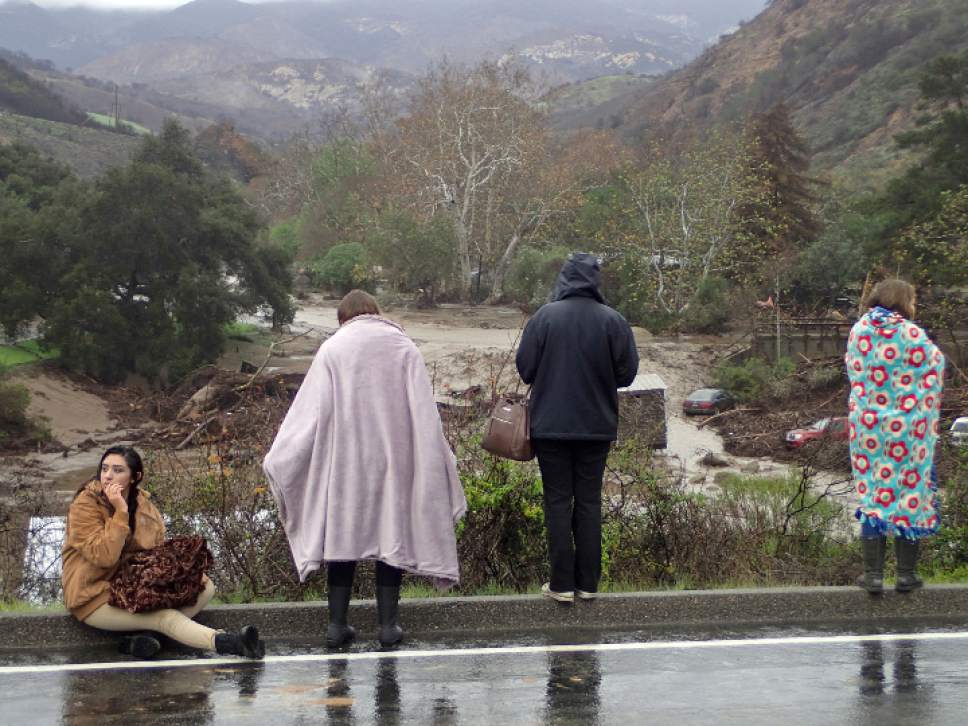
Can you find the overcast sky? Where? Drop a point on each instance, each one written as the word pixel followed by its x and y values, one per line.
pixel 110 4
pixel 145 4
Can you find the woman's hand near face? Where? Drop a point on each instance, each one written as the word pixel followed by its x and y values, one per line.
pixel 114 491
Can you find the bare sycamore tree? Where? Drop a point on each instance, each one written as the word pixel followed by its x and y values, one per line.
pixel 469 136
pixel 553 189
pixel 289 186
pixel 343 143
pixel 684 225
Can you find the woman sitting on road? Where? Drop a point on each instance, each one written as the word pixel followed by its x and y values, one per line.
pixel 895 396
pixel 361 470
pixel 111 518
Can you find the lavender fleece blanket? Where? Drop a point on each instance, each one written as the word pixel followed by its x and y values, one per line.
pixel 360 468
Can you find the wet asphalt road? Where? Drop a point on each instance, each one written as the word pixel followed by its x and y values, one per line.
pixel 753 677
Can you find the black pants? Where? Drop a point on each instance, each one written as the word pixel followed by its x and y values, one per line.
pixel 571 472
pixel 341 574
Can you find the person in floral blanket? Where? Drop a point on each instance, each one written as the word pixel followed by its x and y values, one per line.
pixel 895 396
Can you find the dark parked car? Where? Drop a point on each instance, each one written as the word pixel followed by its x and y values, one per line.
pixel 707 400
pixel 833 428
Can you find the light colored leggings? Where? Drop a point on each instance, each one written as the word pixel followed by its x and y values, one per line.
pixel 176 624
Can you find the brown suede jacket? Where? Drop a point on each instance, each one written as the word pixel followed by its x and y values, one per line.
pixel 98 539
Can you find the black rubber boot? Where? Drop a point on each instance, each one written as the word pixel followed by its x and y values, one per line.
pixel 387 600
pixel 246 643
pixel 141 645
pixel 907 551
pixel 873 578
pixel 338 633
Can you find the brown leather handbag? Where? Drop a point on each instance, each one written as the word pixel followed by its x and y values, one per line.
pixel 508 432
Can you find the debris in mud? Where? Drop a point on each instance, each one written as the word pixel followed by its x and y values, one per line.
pixel 713 460
pixel 760 432
pixel 227 405
pixel 758 428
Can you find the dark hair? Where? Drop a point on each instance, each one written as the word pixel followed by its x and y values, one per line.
pixel 133 459
pixel 894 294
pixel 356 302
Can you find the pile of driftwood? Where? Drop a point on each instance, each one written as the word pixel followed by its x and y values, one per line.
pixel 212 404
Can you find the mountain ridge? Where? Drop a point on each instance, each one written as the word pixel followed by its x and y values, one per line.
pixel 378 32
pixel 847 69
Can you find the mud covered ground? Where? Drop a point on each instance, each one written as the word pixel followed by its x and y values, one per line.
pixel 463 346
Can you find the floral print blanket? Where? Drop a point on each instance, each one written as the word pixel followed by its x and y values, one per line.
pixel 896 376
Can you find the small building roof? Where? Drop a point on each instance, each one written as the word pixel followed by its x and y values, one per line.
pixel 644 382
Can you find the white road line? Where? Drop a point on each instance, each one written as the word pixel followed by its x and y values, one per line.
pixel 483 652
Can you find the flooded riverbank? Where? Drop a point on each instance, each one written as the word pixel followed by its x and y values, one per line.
pixel 462 347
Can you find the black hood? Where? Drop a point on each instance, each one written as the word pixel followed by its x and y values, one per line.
pixel 580 276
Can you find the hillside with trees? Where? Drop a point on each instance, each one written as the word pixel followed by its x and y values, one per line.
pixel 847 70
pixel 21 94
pixel 463 190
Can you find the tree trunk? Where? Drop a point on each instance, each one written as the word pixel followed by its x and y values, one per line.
pixel 463 256
pixel 776 307
pixel 500 271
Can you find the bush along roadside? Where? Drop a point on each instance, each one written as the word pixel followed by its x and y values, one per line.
pixel 18 431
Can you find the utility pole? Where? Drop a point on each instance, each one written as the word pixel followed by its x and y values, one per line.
pixel 776 308
pixel 117 108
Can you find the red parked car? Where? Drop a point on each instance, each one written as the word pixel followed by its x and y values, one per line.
pixel 834 428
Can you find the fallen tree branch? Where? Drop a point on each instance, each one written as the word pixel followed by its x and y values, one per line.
pixel 239 389
pixel 269 352
pixel 198 428
pixel 722 414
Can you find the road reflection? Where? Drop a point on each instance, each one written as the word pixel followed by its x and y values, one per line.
pixel 902 696
pixel 339 696
pixel 183 695
pixel 572 695
pixel 387 693
pixel 97 698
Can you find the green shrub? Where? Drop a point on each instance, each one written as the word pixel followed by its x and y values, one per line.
pixel 16 427
pixel 286 235
pixel 343 268
pixel 501 540
pixel 14 399
pixel 415 255
pixel 246 332
pixel 947 552
pixel 531 277
pixel 756 379
pixel 709 311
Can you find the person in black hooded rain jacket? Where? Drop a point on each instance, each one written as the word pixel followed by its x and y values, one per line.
pixel 576 352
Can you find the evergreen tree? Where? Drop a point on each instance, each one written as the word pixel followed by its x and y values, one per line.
pixel 780 221
pixel 139 272
pixel 942 133
pixel 39 202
